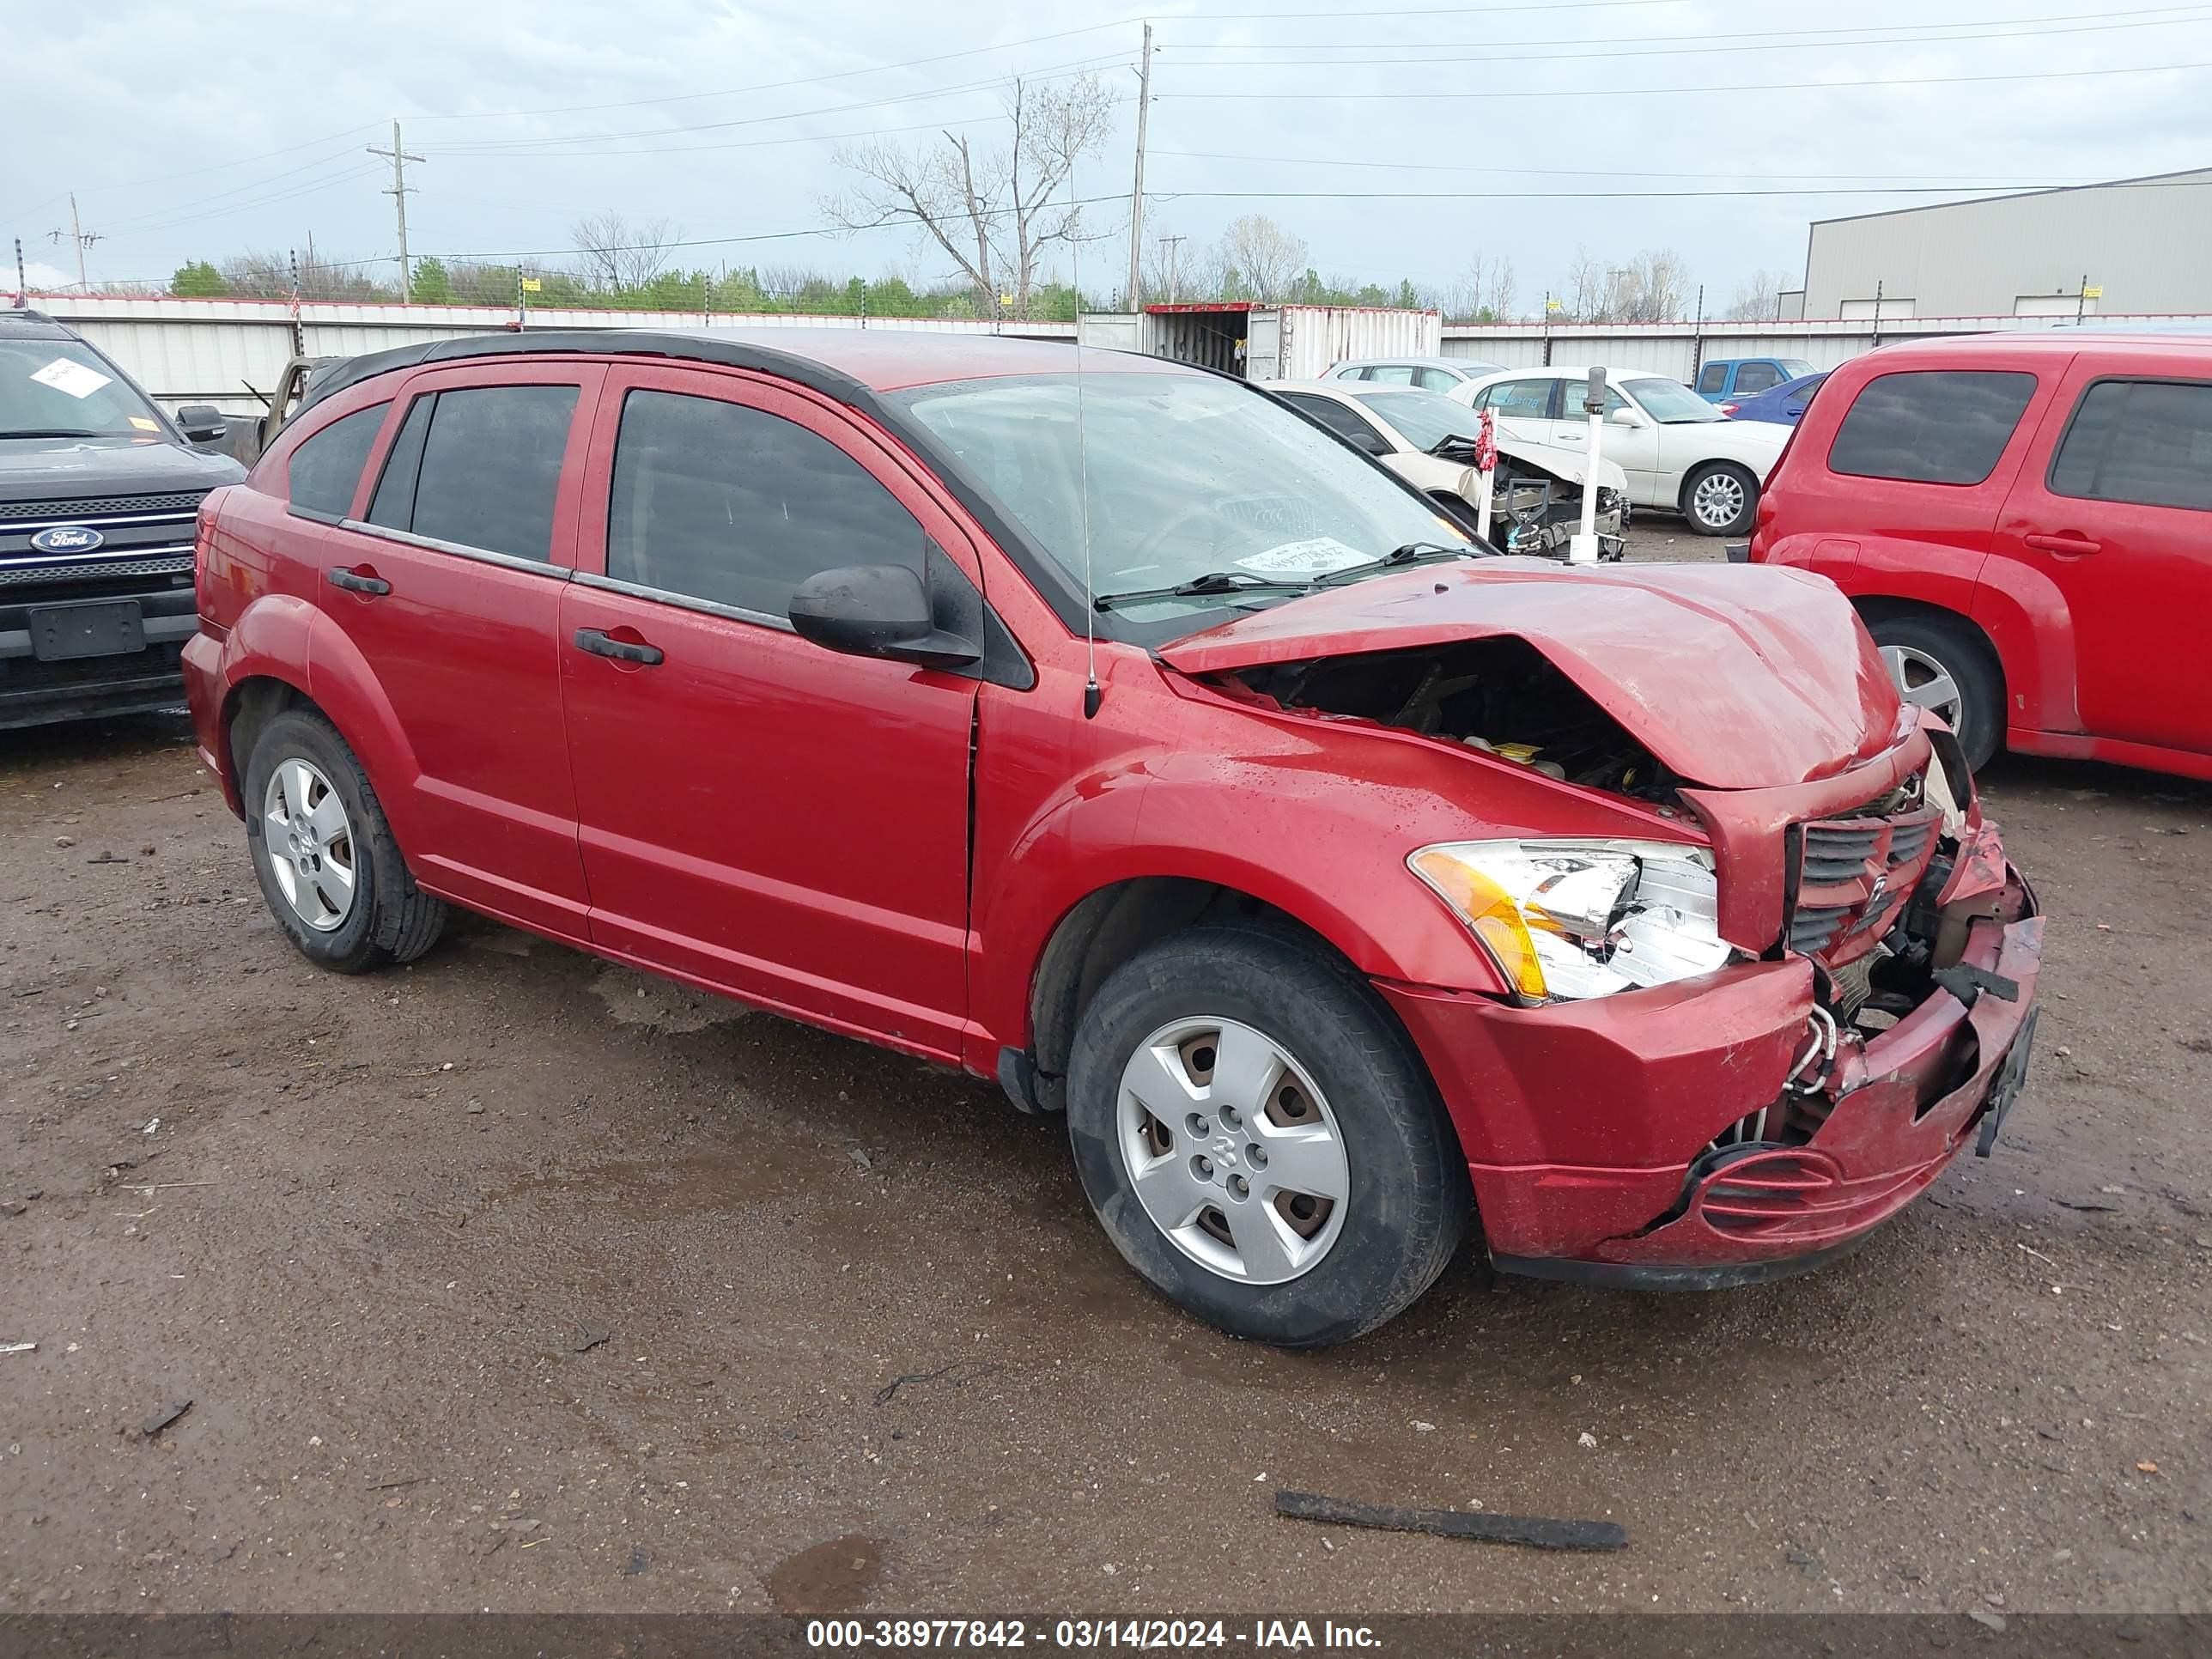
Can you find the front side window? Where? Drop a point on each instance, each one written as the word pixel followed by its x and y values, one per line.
pixel 63 389
pixel 1392 373
pixel 2148 441
pixel 729 504
pixel 490 468
pixel 1931 426
pixel 1757 377
pixel 325 470
pixel 1435 379
pixel 1170 478
pixel 1345 422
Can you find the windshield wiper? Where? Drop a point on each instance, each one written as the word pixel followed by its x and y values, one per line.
pixel 1410 553
pixel 1213 581
pixel 59 432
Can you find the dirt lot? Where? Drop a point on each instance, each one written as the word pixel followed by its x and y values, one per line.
pixel 513 1281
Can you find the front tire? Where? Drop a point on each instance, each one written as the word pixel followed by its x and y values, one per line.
pixel 1720 498
pixel 328 865
pixel 1941 666
pixel 1260 1142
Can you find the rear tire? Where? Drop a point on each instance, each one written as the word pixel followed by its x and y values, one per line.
pixel 1720 498
pixel 1305 1052
pixel 1945 667
pixel 328 865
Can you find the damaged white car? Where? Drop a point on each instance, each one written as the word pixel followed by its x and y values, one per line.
pixel 1428 440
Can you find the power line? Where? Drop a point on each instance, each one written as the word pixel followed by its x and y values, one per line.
pixel 1730 41
pixel 1956 180
pixel 1398 96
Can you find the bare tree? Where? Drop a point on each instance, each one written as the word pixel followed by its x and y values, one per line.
pixel 1583 299
pixel 620 254
pixel 1262 257
pixel 1758 299
pixel 993 213
pixel 1651 288
pixel 1484 293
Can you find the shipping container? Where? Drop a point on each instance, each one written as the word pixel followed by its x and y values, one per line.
pixel 1267 343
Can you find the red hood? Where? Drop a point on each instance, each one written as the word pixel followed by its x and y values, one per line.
pixel 1738 677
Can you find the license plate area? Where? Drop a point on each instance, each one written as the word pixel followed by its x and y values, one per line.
pixel 65 633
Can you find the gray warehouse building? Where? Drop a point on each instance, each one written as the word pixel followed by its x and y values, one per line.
pixel 2147 243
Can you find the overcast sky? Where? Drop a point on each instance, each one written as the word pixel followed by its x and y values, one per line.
pixel 200 130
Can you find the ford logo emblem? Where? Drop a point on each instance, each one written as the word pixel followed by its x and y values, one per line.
pixel 67 538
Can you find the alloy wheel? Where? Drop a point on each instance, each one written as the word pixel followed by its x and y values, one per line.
pixel 310 843
pixel 1232 1151
pixel 1923 682
pixel 1718 501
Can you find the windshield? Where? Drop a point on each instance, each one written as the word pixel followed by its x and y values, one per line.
pixel 1670 402
pixel 1425 418
pixel 56 388
pixel 1187 476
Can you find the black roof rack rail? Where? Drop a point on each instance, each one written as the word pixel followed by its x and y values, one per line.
pixel 24 313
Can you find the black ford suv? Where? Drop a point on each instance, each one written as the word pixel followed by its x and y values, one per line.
pixel 97 492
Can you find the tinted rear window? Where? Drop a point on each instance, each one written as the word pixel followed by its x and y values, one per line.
pixel 2139 441
pixel 325 469
pixel 491 465
pixel 1931 426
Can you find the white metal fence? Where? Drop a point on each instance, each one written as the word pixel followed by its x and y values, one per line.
pixel 1677 348
pixel 213 350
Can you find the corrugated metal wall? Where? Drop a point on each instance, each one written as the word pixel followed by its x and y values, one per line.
pixel 209 350
pixel 1315 337
pixel 1677 348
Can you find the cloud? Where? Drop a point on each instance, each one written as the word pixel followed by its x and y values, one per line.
pixel 724 119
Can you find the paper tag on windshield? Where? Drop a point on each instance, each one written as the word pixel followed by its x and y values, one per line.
pixel 1315 556
pixel 75 378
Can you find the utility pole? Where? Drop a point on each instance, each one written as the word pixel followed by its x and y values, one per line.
pixel 78 238
pixel 1136 194
pixel 1173 246
pixel 398 193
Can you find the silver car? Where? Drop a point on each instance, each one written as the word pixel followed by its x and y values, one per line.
pixel 1430 373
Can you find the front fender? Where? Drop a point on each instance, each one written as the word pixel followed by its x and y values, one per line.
pixel 268 641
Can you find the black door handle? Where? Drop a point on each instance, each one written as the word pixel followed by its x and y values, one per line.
pixel 353 581
pixel 592 640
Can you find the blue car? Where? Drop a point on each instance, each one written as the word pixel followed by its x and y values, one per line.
pixel 1731 380
pixel 1783 404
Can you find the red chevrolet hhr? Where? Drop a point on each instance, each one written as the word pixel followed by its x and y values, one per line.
pixel 1107 727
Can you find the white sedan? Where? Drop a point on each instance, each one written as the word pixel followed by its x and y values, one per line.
pixel 1679 452
pixel 1427 440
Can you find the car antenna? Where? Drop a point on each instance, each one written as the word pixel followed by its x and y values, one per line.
pixel 1092 696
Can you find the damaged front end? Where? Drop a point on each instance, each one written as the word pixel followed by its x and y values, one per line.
pixel 1730 1047
pixel 1535 510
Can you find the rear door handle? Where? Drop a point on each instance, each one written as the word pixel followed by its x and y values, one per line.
pixel 2075 544
pixel 599 645
pixel 354 582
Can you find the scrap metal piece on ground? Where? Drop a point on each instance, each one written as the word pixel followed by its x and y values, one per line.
pixel 1536 1532
pixel 162 1416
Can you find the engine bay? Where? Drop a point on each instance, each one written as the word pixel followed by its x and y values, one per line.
pixel 1499 694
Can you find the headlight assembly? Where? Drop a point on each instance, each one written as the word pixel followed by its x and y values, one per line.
pixel 1569 920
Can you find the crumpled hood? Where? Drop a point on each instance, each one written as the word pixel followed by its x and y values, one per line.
pixel 1737 677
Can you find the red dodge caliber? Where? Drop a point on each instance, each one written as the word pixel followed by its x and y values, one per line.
pixel 1110 729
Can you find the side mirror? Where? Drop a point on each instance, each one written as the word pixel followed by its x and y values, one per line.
pixel 1624 416
pixel 876 611
pixel 202 422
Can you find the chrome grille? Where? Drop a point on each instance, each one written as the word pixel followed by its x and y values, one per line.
pixel 176 564
pixel 93 507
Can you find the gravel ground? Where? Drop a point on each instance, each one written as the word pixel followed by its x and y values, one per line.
pixel 516 1280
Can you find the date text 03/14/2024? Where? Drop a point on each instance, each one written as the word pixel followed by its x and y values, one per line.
pixel 1262 1635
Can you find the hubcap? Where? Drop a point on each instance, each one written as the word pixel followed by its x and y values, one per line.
pixel 309 843
pixel 1232 1151
pixel 1717 499
pixel 1923 682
